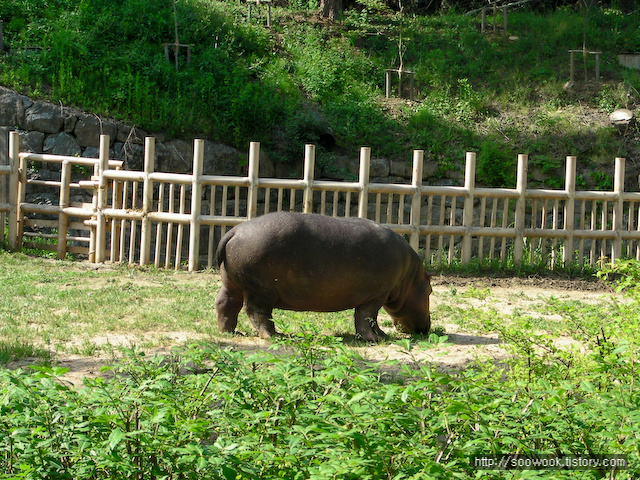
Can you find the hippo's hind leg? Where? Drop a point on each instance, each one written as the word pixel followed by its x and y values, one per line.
pixel 366 322
pixel 259 310
pixel 228 304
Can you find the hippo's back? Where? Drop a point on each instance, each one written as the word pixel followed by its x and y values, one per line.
pixel 315 262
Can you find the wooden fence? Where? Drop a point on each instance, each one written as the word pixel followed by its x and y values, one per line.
pixel 169 220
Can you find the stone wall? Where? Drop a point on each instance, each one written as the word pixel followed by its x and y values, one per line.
pixel 55 129
pixel 59 130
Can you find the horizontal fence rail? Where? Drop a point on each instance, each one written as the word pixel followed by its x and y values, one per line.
pixel 173 220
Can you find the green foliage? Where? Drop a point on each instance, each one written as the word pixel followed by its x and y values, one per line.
pixel 496 165
pixel 314 410
pixel 248 83
pixel 309 406
pixel 624 274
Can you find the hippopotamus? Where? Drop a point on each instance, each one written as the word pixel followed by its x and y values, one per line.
pixel 310 262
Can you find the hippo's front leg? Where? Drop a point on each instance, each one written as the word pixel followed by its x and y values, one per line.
pixel 366 322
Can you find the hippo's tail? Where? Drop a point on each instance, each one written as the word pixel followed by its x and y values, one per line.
pixel 222 247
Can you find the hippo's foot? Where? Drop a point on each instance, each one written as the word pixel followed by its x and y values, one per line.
pixel 263 324
pixel 367 327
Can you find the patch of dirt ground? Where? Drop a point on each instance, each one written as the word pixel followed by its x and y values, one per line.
pixel 504 295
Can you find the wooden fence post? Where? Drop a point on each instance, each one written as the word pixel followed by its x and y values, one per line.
pixel 254 164
pixel 365 163
pixel 196 205
pixel 101 225
pixel 618 188
pixel 416 200
pixel 15 241
pixel 467 216
pixel 569 209
pixel 147 199
pixel 309 165
pixel 63 218
pixel 521 188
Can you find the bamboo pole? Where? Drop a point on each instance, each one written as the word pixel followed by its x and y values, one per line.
pixel 156 259
pixel 467 216
pixel 180 230
pixel 363 198
pixel 101 234
pixel 147 199
pixel 134 222
pixel 15 242
pixel 416 198
pixel 618 188
pixel 309 165
pixel 569 210
pixel 63 218
pixel 196 205
pixel 254 163
pixel 519 221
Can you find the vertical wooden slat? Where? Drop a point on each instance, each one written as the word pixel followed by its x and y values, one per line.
pixel 167 253
pixel 133 224
pixel 505 223
pixel 180 232
pixel 267 200
pixel 603 226
pixel 494 219
pixel 483 208
pixel 63 218
pixel 467 216
pixel 147 199
pixel 592 250
pixel 416 198
pixel 521 188
pixel 196 206
pixel 280 194
pixel 363 197
pixel 534 222
pixel 292 200
pixel 236 203
pixel 103 165
pixel 254 164
pixel 117 193
pixel 212 228
pixel 159 229
pixel 630 217
pixel 618 189
pixel 452 222
pixel 309 166
pixel 429 219
pixel 15 241
pixel 554 242
pixel 543 225
pixel 583 206
pixel 443 200
pixel 569 209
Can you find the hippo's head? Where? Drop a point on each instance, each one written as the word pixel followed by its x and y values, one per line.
pixel 413 316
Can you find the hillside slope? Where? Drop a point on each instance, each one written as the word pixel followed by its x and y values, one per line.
pixel 308 80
